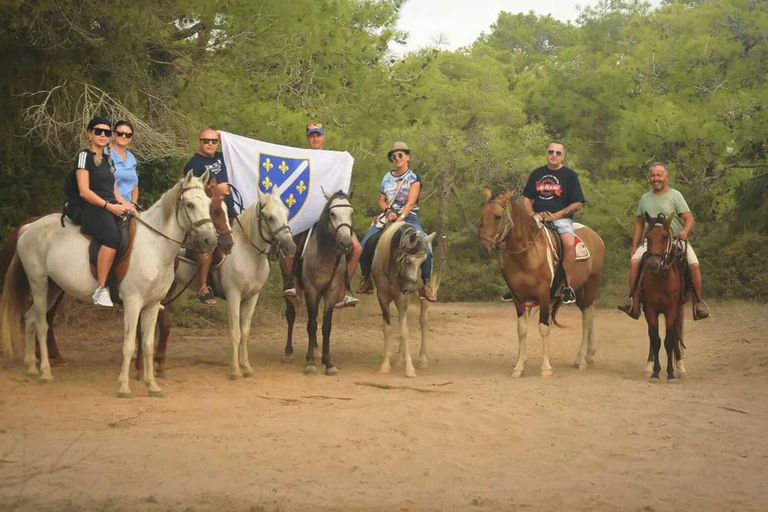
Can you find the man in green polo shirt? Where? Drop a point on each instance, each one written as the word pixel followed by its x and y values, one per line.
pixel 663 200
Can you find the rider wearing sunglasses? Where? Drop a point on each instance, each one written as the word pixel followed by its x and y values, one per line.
pixel 208 159
pixel 126 177
pixel 553 192
pixel 399 202
pixel 101 211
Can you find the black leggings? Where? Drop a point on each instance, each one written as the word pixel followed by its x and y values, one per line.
pixel 101 225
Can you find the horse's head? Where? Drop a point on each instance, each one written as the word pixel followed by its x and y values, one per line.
pixel 219 217
pixel 337 219
pixel 495 219
pixel 658 239
pixel 272 223
pixel 193 213
pixel 409 255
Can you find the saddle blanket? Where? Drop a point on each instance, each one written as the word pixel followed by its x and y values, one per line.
pixel 582 251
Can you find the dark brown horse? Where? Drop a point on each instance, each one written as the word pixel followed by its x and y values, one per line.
pixel 663 286
pixel 224 232
pixel 527 263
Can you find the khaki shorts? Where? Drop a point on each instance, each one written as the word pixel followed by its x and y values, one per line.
pixel 689 254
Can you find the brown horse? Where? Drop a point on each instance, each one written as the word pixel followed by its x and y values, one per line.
pixel 527 263
pixel 224 232
pixel 663 291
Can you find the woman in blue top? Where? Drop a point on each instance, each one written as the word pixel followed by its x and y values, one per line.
pixel 126 178
pixel 399 200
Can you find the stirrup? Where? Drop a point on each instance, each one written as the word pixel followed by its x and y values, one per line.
pixel 507 297
pixel 206 297
pixel 626 307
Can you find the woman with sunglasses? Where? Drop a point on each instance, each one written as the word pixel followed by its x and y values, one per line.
pixel 101 210
pixel 126 178
pixel 399 202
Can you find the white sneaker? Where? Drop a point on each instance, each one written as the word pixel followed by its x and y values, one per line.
pixel 101 297
pixel 348 302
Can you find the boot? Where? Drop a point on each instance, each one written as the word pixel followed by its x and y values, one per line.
pixel 426 293
pixel 366 286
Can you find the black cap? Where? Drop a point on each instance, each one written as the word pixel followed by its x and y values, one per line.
pixel 98 120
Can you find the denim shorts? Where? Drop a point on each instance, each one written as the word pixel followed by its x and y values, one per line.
pixel 564 226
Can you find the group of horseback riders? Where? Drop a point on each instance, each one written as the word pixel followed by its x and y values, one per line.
pixel 104 187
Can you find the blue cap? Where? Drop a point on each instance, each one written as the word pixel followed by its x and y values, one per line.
pixel 315 128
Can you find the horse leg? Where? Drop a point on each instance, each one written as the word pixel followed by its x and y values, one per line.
pixel 546 368
pixel 148 323
pixel 39 288
pixel 30 343
pixel 669 341
pixel 581 357
pixel 246 313
pixel 652 318
pixel 312 304
pixel 233 313
pixel 522 336
pixel 163 333
pixel 53 349
pixel 290 318
pixel 327 325
pixel 424 324
pixel 131 311
pixel 402 312
pixel 679 321
pixel 387 327
pixel 139 364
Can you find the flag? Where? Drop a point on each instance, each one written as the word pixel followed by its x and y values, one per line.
pixel 301 175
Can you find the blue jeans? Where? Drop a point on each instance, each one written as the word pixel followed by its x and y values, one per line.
pixel 413 220
pixel 563 226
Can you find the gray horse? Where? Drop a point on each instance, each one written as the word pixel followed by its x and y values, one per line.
pixel 321 272
pixel 396 273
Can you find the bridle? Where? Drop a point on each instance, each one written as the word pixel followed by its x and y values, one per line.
pixel 670 256
pixel 191 234
pixel 272 241
pixel 336 229
pixel 506 225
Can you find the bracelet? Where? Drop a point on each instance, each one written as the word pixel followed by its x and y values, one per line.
pixel 106 203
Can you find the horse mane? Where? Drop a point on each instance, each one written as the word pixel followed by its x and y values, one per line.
pixel 324 234
pixel 167 202
pixel 246 219
pixel 395 244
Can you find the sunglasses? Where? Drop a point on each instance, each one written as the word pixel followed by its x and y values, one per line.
pixel 397 156
pixel 314 126
pixel 210 141
pixel 126 135
pixel 102 131
pixel 553 152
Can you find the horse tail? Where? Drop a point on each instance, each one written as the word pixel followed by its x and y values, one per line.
pixel 9 248
pixel 15 297
pixel 554 307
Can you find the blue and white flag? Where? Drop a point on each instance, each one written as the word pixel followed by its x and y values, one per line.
pixel 300 175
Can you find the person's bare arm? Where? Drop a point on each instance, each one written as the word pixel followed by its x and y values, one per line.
pixel 568 210
pixel 687 227
pixel 413 196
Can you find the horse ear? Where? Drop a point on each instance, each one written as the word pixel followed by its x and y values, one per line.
pixel 431 237
pixel 275 191
pixel 487 194
pixel 326 194
pixel 668 222
pixel 648 219
pixel 262 199
pixel 204 177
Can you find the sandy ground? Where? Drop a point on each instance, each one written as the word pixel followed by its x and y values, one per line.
pixel 600 439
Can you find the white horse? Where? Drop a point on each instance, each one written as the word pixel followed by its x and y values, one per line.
pixel 50 259
pixel 396 271
pixel 243 273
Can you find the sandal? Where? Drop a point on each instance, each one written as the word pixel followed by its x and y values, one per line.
pixel 207 298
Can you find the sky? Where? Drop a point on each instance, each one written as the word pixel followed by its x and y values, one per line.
pixel 462 21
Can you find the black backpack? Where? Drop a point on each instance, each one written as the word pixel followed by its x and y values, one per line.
pixel 73 203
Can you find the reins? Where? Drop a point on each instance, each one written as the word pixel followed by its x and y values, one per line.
pixel 194 227
pixel 503 231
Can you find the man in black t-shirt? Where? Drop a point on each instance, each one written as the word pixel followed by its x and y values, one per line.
pixel 554 193
pixel 208 159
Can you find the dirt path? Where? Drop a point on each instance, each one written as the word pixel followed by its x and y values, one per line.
pixel 601 439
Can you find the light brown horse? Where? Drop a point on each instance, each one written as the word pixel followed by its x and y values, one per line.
pixel 226 241
pixel 527 264
pixel 664 291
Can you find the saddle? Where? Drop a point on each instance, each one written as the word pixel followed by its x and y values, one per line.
pixel 122 258
pixel 582 251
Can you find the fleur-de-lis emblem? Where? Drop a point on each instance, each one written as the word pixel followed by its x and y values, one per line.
pixel 283 167
pixel 267 183
pixel 301 187
pixel 290 201
pixel 267 164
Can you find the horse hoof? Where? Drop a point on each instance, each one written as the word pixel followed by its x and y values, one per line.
pixel 46 378
pixel 654 380
pixel 331 371
pixel 33 374
pixel 410 373
pixel 385 369
pixel 673 380
pixel 286 359
pixel 582 366
pixel 517 373
pixel 423 364
pixel 235 376
pixel 546 373
pixel 156 394
pixel 310 370
pixel 125 395
pixel 248 373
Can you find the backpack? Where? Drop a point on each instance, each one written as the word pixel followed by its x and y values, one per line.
pixel 73 203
